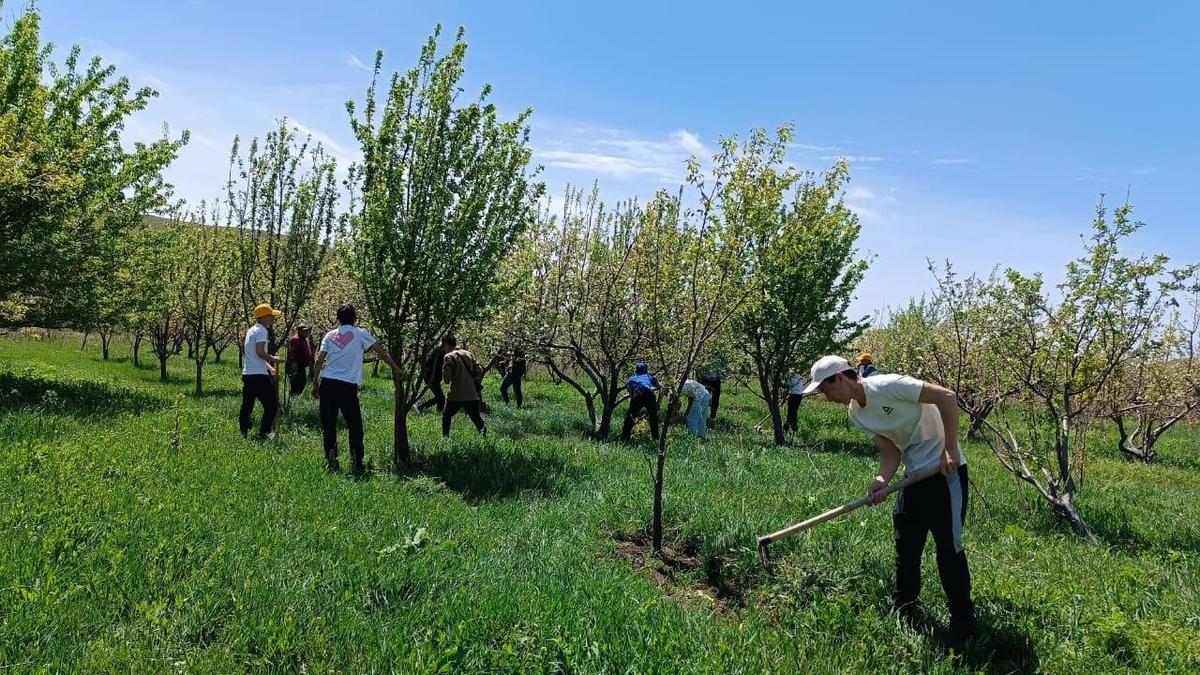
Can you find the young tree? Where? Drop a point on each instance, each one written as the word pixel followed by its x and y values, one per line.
pixel 441 196
pixel 155 275
pixel 282 198
pixel 1061 355
pixel 582 311
pixel 803 278
pixel 69 187
pixel 210 304
pixel 698 265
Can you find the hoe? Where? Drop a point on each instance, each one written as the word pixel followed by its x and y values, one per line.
pixel 766 540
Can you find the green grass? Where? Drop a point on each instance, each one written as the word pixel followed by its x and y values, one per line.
pixel 498 554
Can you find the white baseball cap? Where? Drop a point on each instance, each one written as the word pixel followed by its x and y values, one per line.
pixel 823 368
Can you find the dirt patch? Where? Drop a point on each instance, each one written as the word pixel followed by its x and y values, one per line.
pixel 682 570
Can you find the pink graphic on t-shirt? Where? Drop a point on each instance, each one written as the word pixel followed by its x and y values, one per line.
pixel 343 339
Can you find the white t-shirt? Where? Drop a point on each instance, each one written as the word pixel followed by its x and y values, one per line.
pixel 796 385
pixel 344 347
pixel 895 412
pixel 252 363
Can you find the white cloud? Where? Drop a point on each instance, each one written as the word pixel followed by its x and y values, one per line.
pixel 620 167
pixel 691 142
pixel 953 161
pixel 353 61
pixel 853 159
pixel 859 192
pixel 616 153
pixel 815 148
pixel 331 146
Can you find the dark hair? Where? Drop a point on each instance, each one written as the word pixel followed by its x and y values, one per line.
pixel 518 352
pixel 347 315
pixel 449 339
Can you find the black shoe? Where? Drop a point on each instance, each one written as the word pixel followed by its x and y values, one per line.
pixel 357 469
pixel 332 465
pixel 961 634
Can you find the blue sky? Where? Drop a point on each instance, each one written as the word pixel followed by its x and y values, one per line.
pixel 980 134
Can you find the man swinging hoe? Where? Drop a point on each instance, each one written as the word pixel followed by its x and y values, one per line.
pixel 907 420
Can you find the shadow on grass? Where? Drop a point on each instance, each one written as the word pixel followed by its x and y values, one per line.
pixel 863 447
pixel 998 647
pixel 480 472
pixel 77 398
pixel 217 392
pixel 1113 525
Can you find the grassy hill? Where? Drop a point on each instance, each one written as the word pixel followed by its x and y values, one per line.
pixel 142 534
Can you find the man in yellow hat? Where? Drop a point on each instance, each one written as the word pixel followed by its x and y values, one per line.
pixel 866 365
pixel 258 373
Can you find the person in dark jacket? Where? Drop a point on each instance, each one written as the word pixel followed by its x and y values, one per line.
pixel 643 392
pixel 299 359
pixel 514 372
pixel 432 374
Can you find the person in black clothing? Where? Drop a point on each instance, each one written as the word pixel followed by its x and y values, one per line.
pixel 643 389
pixel 514 373
pixel 710 376
pixel 432 373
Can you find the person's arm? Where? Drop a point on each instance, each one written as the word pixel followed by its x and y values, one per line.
pixel 448 365
pixel 384 356
pixel 260 348
pixel 947 405
pixel 889 461
pixel 317 366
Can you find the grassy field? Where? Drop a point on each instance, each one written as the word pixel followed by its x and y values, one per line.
pixel 128 547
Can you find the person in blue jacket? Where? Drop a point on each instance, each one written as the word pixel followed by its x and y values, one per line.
pixel 643 395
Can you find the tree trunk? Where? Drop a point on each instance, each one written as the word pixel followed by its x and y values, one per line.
pixel 776 420
pixel 401 454
pixel 83 345
pixel 656 528
pixel 217 351
pixel 1064 509
pixel 241 356
pixel 162 366
pixel 603 427
pixel 137 345
pixel 200 376
pixel 105 339
pixel 976 417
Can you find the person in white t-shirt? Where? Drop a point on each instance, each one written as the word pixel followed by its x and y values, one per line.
pixel 795 397
pixel 907 420
pixel 336 376
pixel 258 373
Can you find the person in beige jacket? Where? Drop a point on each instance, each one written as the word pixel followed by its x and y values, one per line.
pixel 462 372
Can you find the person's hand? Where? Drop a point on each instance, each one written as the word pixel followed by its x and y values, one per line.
pixel 876 492
pixel 273 373
pixel 316 390
pixel 949 465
